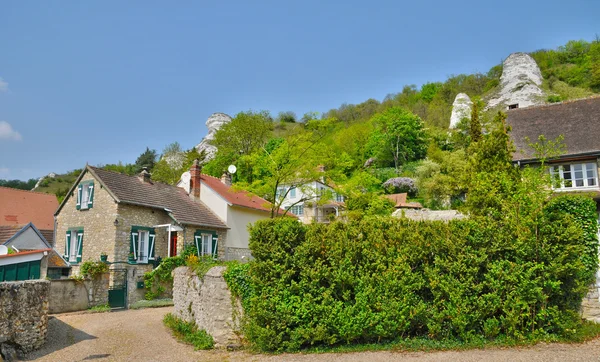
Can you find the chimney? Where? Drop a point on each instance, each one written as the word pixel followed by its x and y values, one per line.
pixel 195 172
pixel 144 176
pixel 226 179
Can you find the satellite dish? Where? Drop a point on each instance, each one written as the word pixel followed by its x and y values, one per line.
pixel 185 177
pixel 231 169
pixel 3 250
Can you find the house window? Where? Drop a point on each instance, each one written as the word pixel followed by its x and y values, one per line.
pixel 143 238
pixel 206 242
pixel 85 195
pixel 513 106
pixel 297 210
pixel 206 245
pixel 74 245
pixel 293 193
pixel 575 176
pixel 339 198
pixel 279 193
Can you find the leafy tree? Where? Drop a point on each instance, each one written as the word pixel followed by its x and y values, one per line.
pixel 399 136
pixel 286 117
pixel 475 125
pixel 146 159
pixel 174 162
pixel 18 184
pixel 127 169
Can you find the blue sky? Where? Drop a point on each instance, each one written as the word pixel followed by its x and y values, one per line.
pixel 98 81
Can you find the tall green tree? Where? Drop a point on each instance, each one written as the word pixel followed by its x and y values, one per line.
pixel 399 137
pixel 475 125
pixel 146 159
pixel 173 162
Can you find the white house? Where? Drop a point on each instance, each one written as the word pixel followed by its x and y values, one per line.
pixel 308 203
pixel 236 208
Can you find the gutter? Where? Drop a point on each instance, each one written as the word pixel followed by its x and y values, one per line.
pixel 568 157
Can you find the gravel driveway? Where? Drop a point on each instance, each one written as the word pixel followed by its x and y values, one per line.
pixel 139 335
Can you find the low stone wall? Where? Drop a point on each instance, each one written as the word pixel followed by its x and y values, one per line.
pixel 207 302
pixel 428 215
pixel 23 316
pixel 242 254
pixel 68 295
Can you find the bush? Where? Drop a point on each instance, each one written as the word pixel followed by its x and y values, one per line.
pixel 553 99
pixel 188 332
pixel 400 184
pixel 378 279
pixel 93 269
pixel 160 278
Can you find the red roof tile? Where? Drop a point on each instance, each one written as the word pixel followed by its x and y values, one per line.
pixel 20 207
pixel 26 253
pixel 237 197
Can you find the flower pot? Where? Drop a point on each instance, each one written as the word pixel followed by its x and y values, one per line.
pixel 103 257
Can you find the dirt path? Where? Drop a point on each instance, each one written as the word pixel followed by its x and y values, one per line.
pixel 139 335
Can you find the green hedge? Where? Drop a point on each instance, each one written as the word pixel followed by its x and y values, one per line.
pixel 381 279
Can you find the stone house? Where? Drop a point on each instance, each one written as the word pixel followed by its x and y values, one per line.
pixel 134 221
pixel 576 169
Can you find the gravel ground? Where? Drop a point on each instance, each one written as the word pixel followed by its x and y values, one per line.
pixel 139 335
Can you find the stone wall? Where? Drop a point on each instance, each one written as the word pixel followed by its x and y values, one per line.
pixel 23 315
pixel 207 301
pixel 428 215
pixel 68 295
pixel 242 254
pixel 188 239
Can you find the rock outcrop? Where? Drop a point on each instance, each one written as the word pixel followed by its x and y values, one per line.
pixel 461 108
pixel 214 123
pixel 519 84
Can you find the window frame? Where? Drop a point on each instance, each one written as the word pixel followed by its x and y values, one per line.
pixel 143 247
pixel 558 171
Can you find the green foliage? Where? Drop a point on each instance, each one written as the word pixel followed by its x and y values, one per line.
pixel 93 269
pixel 238 280
pixel 188 332
pixel 127 169
pixel 99 309
pixel 286 117
pixel 146 159
pixel 553 99
pixel 18 184
pixel 378 279
pixel 475 125
pixel 160 277
pixel 173 162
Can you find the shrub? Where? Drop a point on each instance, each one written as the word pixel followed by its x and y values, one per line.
pixel 377 279
pixel 188 332
pixel 160 277
pixel 400 184
pixel 93 269
pixel 553 99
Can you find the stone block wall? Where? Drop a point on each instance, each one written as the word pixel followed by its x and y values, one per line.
pixel 23 314
pixel 207 302
pixel 68 295
pixel 135 274
pixel 242 254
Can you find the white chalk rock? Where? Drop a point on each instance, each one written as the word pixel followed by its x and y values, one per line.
pixel 461 108
pixel 214 123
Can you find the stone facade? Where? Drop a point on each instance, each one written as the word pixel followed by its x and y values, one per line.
pixel 207 302
pixel 68 295
pixel 23 315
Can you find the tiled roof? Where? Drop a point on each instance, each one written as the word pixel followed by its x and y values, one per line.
pixel 578 121
pixel 20 207
pixel 131 190
pixel 7 232
pixel 26 253
pixel 236 197
pixel 399 201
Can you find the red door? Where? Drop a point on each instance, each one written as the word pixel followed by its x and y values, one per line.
pixel 173 244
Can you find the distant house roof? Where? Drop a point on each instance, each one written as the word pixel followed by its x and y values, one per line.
pixel 174 200
pixel 237 197
pixel 20 207
pixel 399 201
pixel 55 260
pixel 578 121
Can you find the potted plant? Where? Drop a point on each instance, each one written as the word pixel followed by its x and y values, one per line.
pixel 103 257
pixel 131 258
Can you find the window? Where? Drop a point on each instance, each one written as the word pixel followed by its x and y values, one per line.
pixel 85 195
pixel 74 245
pixel 142 256
pixel 338 197
pixel 141 247
pixel 206 242
pixel 575 176
pixel 297 210
pixel 293 193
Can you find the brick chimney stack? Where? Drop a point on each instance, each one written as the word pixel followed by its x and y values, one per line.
pixel 144 176
pixel 226 179
pixel 195 172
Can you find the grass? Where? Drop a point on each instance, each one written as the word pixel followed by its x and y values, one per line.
pixel 188 332
pixel 99 309
pixel 155 303
pixel 587 331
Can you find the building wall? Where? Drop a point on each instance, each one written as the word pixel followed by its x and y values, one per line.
pixel 68 295
pixel 215 202
pixel 98 223
pixel 28 240
pixel 188 236
pixel 240 218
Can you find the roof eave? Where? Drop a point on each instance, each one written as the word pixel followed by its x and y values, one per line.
pixel 559 158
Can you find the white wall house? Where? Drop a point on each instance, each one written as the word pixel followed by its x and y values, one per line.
pixel 308 203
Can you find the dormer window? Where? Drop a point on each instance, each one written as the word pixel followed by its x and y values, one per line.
pixel 85 195
pixel 574 176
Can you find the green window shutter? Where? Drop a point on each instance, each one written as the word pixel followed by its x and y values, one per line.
pixel 198 239
pixel 79 193
pixel 133 243
pixel 91 194
pixel 1 273
pixel 68 245
pixel 79 245
pixel 10 273
pixel 215 242
pixel 23 271
pixel 151 237
pixel 34 269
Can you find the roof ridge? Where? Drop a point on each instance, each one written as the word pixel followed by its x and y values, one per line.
pixel 132 176
pixel 30 191
pixel 568 101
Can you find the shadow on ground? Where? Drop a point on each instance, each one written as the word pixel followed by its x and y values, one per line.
pixel 61 335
